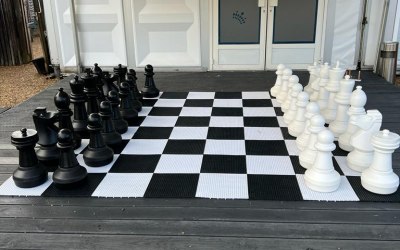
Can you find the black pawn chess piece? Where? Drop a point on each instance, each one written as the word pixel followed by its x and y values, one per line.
pixel 110 135
pixel 62 101
pixel 121 71
pixel 108 83
pixel 149 90
pixel 44 121
pixel 126 108
pixel 29 173
pixel 78 99
pixel 133 84
pixel 69 171
pixel 120 124
pixel 98 153
pixel 91 91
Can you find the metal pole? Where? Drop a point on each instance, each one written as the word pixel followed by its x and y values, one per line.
pixel 75 37
pixel 381 36
pixel 363 23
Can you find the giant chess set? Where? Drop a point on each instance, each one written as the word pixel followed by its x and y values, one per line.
pixel 289 143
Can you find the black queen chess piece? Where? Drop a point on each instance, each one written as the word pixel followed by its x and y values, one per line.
pixel 126 107
pixel 110 136
pixel 78 99
pixel 29 172
pixel 149 90
pixel 108 83
pixel 119 123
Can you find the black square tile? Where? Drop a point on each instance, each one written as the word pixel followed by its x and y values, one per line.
pixel 227 111
pixel 118 148
pixel 298 169
pixel 135 164
pixel 225 133
pixel 152 133
pixel 260 122
pixel 83 189
pixel 195 121
pixel 148 102
pixel 274 187
pixel 199 103
pixel 338 151
pixel 230 164
pixel 286 135
pixel 257 103
pixel 185 147
pixel 165 111
pixel 259 147
pixel 365 195
pixel 136 121
pixel 278 111
pixel 228 95
pixel 172 186
pixel 174 95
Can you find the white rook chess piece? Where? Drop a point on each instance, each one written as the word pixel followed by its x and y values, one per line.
pixel 315 85
pixel 307 156
pixel 322 176
pixel 357 101
pixel 312 109
pixel 379 177
pixel 339 125
pixel 323 94
pixel 361 157
pixel 296 127
pixel 279 72
pixel 335 75
pixel 291 112
pixel 281 96
pixel 292 81
pixel 312 71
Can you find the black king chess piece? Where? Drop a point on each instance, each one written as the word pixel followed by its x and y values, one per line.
pixel 120 124
pixel 149 90
pixel 110 136
pixel 98 153
pixel 78 99
pixel 126 107
pixel 131 76
pixel 29 173
pixel 69 172
pixel 91 91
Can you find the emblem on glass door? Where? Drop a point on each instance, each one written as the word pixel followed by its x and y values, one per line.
pixel 239 17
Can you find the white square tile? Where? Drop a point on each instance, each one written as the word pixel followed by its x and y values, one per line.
pixel 201 95
pixel 189 133
pixel 271 165
pixel 170 103
pixel 129 133
pixel 228 103
pixel 145 147
pixel 342 162
pixel 196 111
pixel 344 193
pixel 281 122
pixel 256 95
pixel 275 103
pixel 225 147
pixel 145 111
pixel 101 169
pixel 226 121
pixel 9 188
pixel 262 133
pixel 84 143
pixel 123 185
pixel 258 111
pixel 292 147
pixel 174 164
pixel 159 121
pixel 222 186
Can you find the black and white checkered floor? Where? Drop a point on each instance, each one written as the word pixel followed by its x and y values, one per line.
pixel 223 145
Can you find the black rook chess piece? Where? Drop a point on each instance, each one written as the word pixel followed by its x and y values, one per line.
pixel 126 108
pixel 91 91
pixel 69 171
pixel 133 84
pixel 78 99
pixel 98 153
pixel 120 124
pixel 110 136
pixel 149 90
pixel 29 173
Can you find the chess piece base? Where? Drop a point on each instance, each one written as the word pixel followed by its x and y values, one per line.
pixel 96 157
pixel 150 93
pixel 379 182
pixel 113 138
pixel 322 182
pixel 67 176
pixel 121 126
pixel 30 177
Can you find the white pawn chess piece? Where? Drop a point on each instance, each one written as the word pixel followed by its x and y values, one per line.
pixel 292 81
pixel 312 109
pixel 360 157
pixel 335 75
pixel 307 156
pixel 315 85
pixel 357 101
pixel 279 72
pixel 323 94
pixel 312 71
pixel 379 177
pixel 296 127
pixel 339 125
pixel 291 112
pixel 281 96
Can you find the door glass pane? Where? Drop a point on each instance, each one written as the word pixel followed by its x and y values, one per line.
pixel 239 22
pixel 295 21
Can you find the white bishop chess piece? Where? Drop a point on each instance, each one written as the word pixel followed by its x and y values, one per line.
pixel 292 81
pixel 323 94
pixel 296 127
pixel 322 176
pixel 379 177
pixel 361 157
pixel 312 109
pixel 279 72
pixel 312 69
pixel 281 96
pixel 291 112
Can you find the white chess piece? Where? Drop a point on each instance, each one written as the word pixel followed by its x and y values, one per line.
pixel 293 79
pixel 379 177
pixel 307 156
pixel 281 96
pixel 312 109
pixel 322 176
pixel 339 125
pixel 291 112
pixel 279 72
pixel 296 127
pixel 312 71
pixel 315 85
pixel 335 75
pixel 357 101
pixel 323 94
pixel 361 157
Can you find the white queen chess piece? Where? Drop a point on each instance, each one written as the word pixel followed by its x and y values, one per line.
pixel 312 109
pixel 292 81
pixel 281 96
pixel 279 72
pixel 296 127
pixel 323 94
pixel 291 112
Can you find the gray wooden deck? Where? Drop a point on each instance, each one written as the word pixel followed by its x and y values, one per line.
pixel 73 223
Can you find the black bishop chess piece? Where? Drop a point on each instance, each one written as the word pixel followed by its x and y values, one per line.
pixel 110 135
pixel 62 101
pixel 91 91
pixel 69 172
pixel 45 121
pixel 120 71
pixel 108 83
pixel 126 107
pixel 78 99
pixel 131 76
pixel 119 123
pixel 29 172
pixel 149 90
pixel 97 153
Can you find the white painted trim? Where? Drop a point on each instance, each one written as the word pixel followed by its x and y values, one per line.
pixel 324 25
pixel 211 36
pixel 51 32
pixel 396 22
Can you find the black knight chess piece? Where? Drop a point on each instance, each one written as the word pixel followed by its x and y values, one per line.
pixel 131 76
pixel 91 91
pixel 120 124
pixel 126 107
pixel 78 99
pixel 149 90
pixel 110 135
pixel 29 172
pixel 108 83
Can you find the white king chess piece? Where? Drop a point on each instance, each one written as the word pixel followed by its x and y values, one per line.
pixel 279 72
pixel 281 96
pixel 312 69
pixel 323 94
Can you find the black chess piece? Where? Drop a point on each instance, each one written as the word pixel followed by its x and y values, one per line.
pixel 110 135
pixel 131 76
pixel 108 83
pixel 44 121
pixel 62 101
pixel 126 108
pixel 97 70
pixel 120 124
pixel 135 103
pixel 29 172
pixel 78 99
pixel 149 90
pixel 97 153
pixel 121 71
pixel 91 91
pixel 69 171
pixel 98 75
